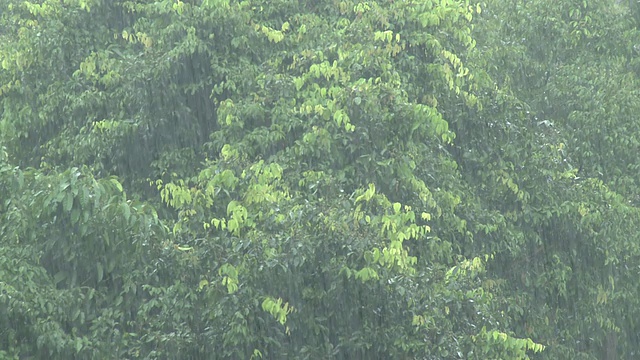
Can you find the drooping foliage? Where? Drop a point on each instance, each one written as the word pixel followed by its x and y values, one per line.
pixel 303 179
pixel 572 65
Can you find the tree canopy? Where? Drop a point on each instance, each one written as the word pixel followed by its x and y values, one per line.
pixel 389 179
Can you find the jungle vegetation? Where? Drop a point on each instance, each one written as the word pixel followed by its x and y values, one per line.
pixel 341 179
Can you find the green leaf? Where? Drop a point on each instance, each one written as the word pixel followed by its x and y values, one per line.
pixel 116 183
pixel 396 207
pixel 100 271
pixel 67 203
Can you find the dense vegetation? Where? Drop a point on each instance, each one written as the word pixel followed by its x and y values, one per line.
pixel 288 179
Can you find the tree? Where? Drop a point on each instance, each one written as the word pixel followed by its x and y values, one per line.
pixel 383 179
pixel 572 68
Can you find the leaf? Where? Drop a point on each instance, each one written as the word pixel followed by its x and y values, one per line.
pixel 396 207
pixel 60 276
pixel 126 211
pixel 75 216
pixel 67 203
pixel 116 183
pixel 202 284
pixel 100 271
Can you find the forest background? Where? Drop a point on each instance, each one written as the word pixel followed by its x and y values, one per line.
pixel 290 179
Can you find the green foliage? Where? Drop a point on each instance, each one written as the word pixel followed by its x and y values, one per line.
pixel 68 274
pixel 300 179
pixel 566 158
